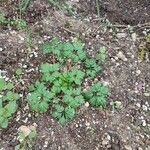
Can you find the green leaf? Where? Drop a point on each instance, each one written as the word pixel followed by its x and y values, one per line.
pixel 17 147
pixel 18 71
pixel 45 68
pixel 102 54
pixel 78 45
pixel 33 135
pixel 11 96
pixel 62 120
pixel 9 86
pixel 4 124
pixel 69 112
pixel 11 107
pixel 2 84
pixel 54 46
pixel 43 107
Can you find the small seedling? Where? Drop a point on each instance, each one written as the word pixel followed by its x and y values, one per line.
pixel 20 24
pixel 101 54
pixel 8 102
pixel 62 89
pixel 23 4
pixel 3 19
pixel 18 71
pixel 92 67
pixel 39 97
pixel 116 105
pixel 96 95
pixel 26 137
pixel 62 6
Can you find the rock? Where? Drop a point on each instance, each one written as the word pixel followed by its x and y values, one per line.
pixel 143 123
pixel 138 105
pixel 121 35
pixel 1 49
pixel 121 56
pixel 144 107
pixel 26 130
pixel 87 124
pixel 128 147
pixel 86 104
pixel 147 94
pixel 138 72
pixel 106 139
pixel 134 36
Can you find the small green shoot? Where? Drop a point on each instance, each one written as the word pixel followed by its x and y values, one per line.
pixel 92 67
pixel 62 89
pixel 96 95
pixel 8 102
pixel 23 4
pixel 26 137
pixel 20 24
pixel 18 71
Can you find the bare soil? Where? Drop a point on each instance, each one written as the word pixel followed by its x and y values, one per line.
pixel 125 128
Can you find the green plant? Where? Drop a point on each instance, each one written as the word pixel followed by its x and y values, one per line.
pixel 39 97
pixel 96 95
pixel 148 38
pixel 62 89
pixel 29 39
pixel 20 24
pixel 23 4
pixel 97 7
pixel 26 138
pixel 3 19
pixel 63 114
pixel 67 50
pixel 101 54
pixel 8 102
pixel 92 67
pixel 62 6
pixel 18 71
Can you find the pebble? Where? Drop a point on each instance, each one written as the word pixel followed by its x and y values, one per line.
pixel 128 147
pixel 121 56
pixel 106 139
pixel 144 107
pixel 138 105
pixel 143 123
pixel 138 72
pixel 147 94
pixel 87 124
pixel 1 49
pixel 87 104
pixel 134 36
pixel 121 35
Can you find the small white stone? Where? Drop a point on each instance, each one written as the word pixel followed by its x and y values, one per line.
pixel 144 107
pixel 147 94
pixel 134 36
pixel 1 49
pixel 121 56
pixel 138 72
pixel 128 147
pixel 121 35
pixel 24 66
pixel 77 126
pixel 87 104
pixel 87 124
pixel 143 123
pixel 138 105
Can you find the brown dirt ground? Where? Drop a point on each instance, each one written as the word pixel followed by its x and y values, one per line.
pixel 128 80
